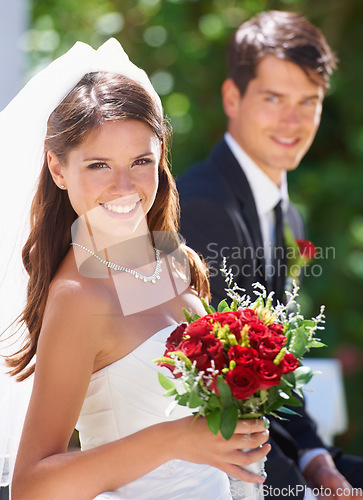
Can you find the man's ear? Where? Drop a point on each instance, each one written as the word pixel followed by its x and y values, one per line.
pixel 230 98
pixel 55 169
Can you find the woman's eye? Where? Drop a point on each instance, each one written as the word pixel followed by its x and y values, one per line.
pixel 97 165
pixel 142 161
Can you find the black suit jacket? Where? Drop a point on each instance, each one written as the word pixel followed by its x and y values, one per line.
pixel 219 219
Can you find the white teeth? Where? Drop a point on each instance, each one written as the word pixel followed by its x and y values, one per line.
pixel 118 209
pixel 285 140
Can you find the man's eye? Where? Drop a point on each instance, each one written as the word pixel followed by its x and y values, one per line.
pixel 272 99
pixel 309 102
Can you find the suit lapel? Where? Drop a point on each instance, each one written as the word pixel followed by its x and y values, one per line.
pixel 229 168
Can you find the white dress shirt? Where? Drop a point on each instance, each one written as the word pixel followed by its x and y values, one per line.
pixel 266 195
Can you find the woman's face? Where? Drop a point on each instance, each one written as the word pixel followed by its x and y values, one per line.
pixel 113 176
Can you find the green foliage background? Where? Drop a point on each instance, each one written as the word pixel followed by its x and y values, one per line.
pixel 181 44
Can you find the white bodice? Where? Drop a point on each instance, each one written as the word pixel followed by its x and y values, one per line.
pixel 125 397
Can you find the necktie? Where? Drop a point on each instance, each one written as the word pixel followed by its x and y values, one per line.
pixel 279 254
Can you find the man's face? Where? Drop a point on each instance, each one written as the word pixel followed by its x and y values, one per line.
pixel 277 118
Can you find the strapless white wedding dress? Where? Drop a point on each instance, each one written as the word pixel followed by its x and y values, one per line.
pixel 125 397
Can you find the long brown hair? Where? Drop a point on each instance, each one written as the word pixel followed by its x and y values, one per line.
pixel 98 97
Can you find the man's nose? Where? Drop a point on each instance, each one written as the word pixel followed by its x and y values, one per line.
pixel 291 115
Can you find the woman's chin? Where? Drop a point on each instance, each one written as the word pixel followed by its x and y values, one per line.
pixel 110 226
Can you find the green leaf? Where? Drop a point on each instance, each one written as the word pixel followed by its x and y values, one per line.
pixel 302 376
pixel 273 392
pixel 308 323
pixel 234 305
pixel 164 359
pixel 273 399
pixel 225 392
pixel 299 392
pixel 298 342
pixel 213 402
pixel 284 395
pixel 187 315
pixel 286 385
pixel 229 417
pixel 289 399
pixel 276 415
pixel 289 379
pixel 317 343
pixel 288 411
pixel 214 420
pixel 194 399
pixel 183 399
pixel 208 308
pixel 165 382
pixel 222 306
pixel 275 404
pixel 299 377
pixel 294 401
pixel 170 392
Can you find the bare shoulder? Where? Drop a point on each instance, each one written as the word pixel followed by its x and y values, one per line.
pixel 79 294
pixel 77 313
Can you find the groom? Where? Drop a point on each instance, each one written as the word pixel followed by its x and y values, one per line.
pixel 233 204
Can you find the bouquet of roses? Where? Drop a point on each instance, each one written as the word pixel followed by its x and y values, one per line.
pixel 241 361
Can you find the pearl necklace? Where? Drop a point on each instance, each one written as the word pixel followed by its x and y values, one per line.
pixel 135 274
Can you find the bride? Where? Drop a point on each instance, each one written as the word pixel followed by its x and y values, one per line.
pixel 107 282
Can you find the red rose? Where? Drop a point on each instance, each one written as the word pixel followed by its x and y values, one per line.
pixel 276 328
pixel 193 349
pixel 307 249
pixel 175 337
pixel 288 363
pixel 231 319
pixel 247 315
pixel 215 351
pixel 245 356
pixel 199 328
pixel 202 350
pixel 242 381
pixel 268 373
pixel 269 348
pixel 257 332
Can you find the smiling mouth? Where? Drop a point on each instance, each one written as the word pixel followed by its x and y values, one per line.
pixel 120 209
pixel 287 141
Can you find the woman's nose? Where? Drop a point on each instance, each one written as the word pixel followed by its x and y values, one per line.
pixel 122 183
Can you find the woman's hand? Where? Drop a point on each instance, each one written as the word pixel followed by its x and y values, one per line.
pixel 196 443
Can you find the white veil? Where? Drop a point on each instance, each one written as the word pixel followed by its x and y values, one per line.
pixel 22 132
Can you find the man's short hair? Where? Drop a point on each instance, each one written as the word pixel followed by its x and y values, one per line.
pixel 285 35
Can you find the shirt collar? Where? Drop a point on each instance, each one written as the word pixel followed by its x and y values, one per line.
pixel 264 190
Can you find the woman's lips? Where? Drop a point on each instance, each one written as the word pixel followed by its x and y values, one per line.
pixel 118 209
